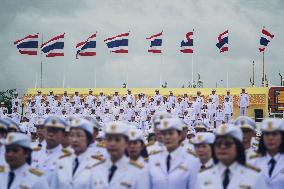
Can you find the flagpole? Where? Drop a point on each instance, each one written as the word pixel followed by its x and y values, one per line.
pixel 263 82
pixel 192 65
pixel 227 80
pixel 161 70
pixel 36 81
pixel 41 62
pixel 127 84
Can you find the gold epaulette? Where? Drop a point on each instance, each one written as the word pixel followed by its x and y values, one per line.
pixel 65 155
pixel 96 164
pixel 191 152
pixel 153 152
pixel 35 149
pixel 2 168
pixel 101 144
pixel 97 157
pixel 206 168
pixel 146 159
pixel 136 164
pixel 35 172
pixel 255 156
pixel 65 151
pixel 150 143
pixel 252 168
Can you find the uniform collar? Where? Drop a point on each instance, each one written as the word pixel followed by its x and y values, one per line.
pixel 82 156
pixel 21 169
pixel 223 167
pixel 276 157
pixel 175 153
pixel 209 163
pixel 120 163
pixel 54 150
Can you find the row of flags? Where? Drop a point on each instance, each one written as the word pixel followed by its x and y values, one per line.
pixel 119 44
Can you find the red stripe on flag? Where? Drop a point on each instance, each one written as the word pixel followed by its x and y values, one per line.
pixel 186 51
pixel 261 49
pixel 120 51
pixel 27 37
pixel 53 39
pixel 155 51
pixel 87 53
pixel 265 32
pixel 84 42
pixel 156 35
pixel 224 49
pixel 54 54
pixel 221 35
pixel 121 35
pixel 28 52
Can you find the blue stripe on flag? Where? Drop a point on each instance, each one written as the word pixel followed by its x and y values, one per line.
pixel 90 44
pixel 187 44
pixel 28 44
pixel 117 43
pixel 156 42
pixel 57 45
pixel 264 41
pixel 222 42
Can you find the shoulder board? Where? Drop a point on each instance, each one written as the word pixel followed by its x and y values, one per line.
pixel 136 164
pixel 35 172
pixel 98 163
pixel 190 141
pixel 101 144
pixel 252 168
pixel 150 143
pixel 65 151
pixel 2 168
pixel 36 149
pixel 98 157
pixel 65 155
pixel 201 170
pixel 153 152
pixel 191 152
pixel 255 156
pixel 146 159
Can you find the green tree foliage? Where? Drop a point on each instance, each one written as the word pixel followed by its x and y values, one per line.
pixel 6 97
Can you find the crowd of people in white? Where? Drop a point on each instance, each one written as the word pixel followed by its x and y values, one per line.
pixel 138 110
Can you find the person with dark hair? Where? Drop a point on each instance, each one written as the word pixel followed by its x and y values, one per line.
pixel 72 168
pixel 19 174
pixel 40 133
pixel 270 157
pixel 203 144
pixel 248 127
pixel 158 145
pixel 45 158
pixel 174 167
pixel 3 133
pixel 230 170
pixel 97 147
pixel 136 149
pixel 117 171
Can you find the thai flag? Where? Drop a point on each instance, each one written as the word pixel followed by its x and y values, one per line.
pixel 187 44
pixel 265 38
pixel 156 43
pixel 223 41
pixel 87 48
pixel 54 47
pixel 28 45
pixel 118 44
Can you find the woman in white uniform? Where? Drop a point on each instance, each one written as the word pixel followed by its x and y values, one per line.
pixel 174 167
pixel 73 170
pixel 271 153
pixel 230 171
pixel 136 149
pixel 203 145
